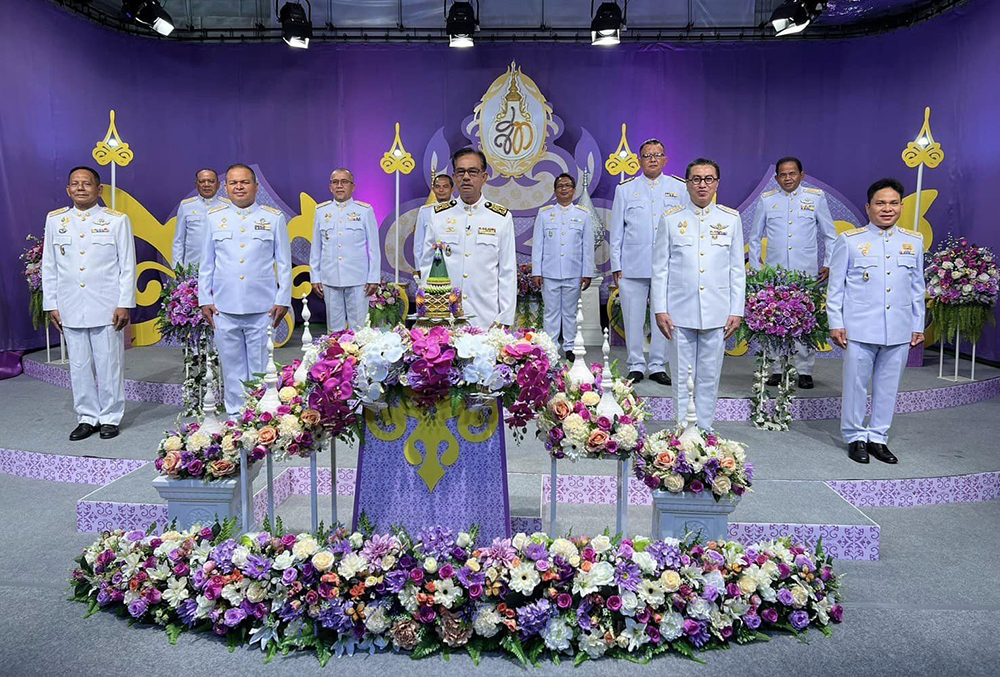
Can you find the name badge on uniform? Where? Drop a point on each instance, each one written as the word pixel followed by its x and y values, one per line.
pixel 262 225
pixel 670 194
pixel 907 248
pixel 575 220
pixel 487 230
pixel 354 216
pixel 807 207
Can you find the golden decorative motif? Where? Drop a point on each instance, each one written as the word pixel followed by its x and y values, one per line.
pixel 397 159
pixel 923 150
pixel 112 148
pixel 623 160
pixel 431 432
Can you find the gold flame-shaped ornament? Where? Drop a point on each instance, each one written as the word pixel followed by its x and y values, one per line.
pixel 397 159
pixel 923 150
pixel 111 148
pixel 623 159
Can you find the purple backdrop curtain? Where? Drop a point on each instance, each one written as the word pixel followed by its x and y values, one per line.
pixel 846 108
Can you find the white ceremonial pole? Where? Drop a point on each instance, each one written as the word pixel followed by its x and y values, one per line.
pixel 394 161
pixel 313 493
pixel 270 403
pixel 552 497
pixel 957 355
pixel 244 490
pixel 333 479
pixel 398 224
pixel 972 376
pixel 48 344
pixel 621 520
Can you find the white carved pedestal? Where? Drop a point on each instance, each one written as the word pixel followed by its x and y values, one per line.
pixel 196 501
pixel 676 515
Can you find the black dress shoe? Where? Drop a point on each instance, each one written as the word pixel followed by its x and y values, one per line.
pixel 661 377
pixel 882 453
pixel 858 451
pixel 806 382
pixel 570 357
pixel 773 380
pixel 635 376
pixel 108 431
pixel 82 432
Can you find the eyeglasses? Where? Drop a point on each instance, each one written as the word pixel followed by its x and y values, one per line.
pixel 471 173
pixel 340 182
pixel 652 156
pixel 707 180
pixel 564 186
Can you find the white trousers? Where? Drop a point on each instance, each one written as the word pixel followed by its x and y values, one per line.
pixel 805 360
pixel 702 350
pixel 346 307
pixel 95 371
pixel 634 297
pixel 241 341
pixel 862 362
pixel 561 298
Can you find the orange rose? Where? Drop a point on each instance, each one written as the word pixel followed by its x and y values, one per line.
pixel 267 435
pixel 664 460
pixel 310 417
pixel 598 439
pixel 171 462
pixel 221 468
pixel 561 409
pixel 728 462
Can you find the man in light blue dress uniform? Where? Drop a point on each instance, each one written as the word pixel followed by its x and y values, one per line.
pixel 189 228
pixel 562 260
pixel 244 281
pixel 876 310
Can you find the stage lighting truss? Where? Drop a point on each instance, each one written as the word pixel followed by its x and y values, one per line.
pixel 607 24
pixel 149 13
pixel 296 26
pixel 461 22
pixel 794 16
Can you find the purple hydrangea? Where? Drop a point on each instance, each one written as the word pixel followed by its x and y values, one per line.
pixel 436 541
pixel 532 618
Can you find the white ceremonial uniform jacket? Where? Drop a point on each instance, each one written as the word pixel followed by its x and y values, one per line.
pixel 562 243
pixel 698 272
pixel 791 223
pixel 479 253
pixel 635 218
pixel 189 228
pixel 345 248
pixel 242 247
pixel 88 265
pixel 876 287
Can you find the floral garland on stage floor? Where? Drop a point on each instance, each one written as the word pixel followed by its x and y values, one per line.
pixel 783 308
pixel 672 461
pixel 962 282
pixel 32 258
pixel 529 597
pixel 180 320
pixel 575 424
pixel 530 308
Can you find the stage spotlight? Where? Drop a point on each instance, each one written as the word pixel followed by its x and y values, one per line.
pixel 148 13
pixel 296 27
pixel 794 16
pixel 461 23
pixel 607 25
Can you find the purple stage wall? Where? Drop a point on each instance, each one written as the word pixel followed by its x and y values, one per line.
pixel 846 108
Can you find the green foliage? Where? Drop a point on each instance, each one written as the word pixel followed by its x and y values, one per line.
pixel 968 320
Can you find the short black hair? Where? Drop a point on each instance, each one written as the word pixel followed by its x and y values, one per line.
pixel 651 142
pixel 207 169
pixel 445 176
pixel 564 175
pixel 702 161
pixel 788 158
pixel 97 177
pixel 468 150
pixel 885 183
pixel 240 165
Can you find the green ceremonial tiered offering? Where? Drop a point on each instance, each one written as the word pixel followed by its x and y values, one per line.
pixel 438 300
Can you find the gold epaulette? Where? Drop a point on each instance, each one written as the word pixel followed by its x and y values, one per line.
pixel 911 233
pixel 674 210
pixel 542 209
pixel 728 210
pixel 267 208
pixel 631 178
pixel 189 200
pixel 769 193
pixel 494 207
pixel 114 212
pixel 226 200
pixel 57 211
pixel 323 204
pixel 444 205
pixel 363 204
pixel 814 191
pixel 678 178
pixel 856 231
pixel 216 209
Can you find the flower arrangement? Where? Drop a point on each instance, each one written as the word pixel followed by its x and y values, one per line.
pixel 386 305
pixel 192 453
pixel 675 462
pixel 783 308
pixel 32 258
pixel 180 319
pixel 529 311
pixel 294 429
pixel 962 281
pixel 573 425
pixel 578 598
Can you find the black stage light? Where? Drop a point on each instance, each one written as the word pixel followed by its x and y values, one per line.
pixel 607 25
pixel 296 27
pixel 461 24
pixel 148 13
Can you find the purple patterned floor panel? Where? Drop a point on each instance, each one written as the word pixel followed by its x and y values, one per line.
pixel 58 468
pixel 97 516
pixel 823 408
pixel 135 391
pixel 845 542
pixel 921 491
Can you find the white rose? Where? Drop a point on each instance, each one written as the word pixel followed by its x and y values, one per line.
pixel 356 540
pixel 304 548
pixel 430 565
pixel 721 485
pixel 800 596
pixel 240 556
pixel 673 483
pixel 322 560
pixel 519 541
pixel 463 540
pixel 256 592
pixel 645 561
pixel 590 398
pixel 283 561
pixel 286 394
pixel 600 543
